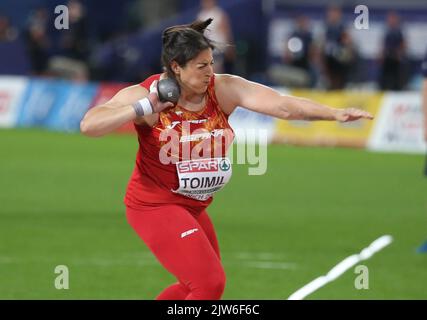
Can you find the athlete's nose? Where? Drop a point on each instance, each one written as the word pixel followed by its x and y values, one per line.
pixel 210 71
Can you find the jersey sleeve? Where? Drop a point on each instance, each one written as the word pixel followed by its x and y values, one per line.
pixel 147 82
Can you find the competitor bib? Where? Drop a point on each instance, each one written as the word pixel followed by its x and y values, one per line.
pixel 200 179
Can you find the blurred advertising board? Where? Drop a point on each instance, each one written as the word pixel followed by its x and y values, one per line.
pixel 331 133
pixel 399 125
pixel 11 92
pixel 55 104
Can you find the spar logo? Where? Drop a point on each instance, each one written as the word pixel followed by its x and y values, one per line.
pixel 225 165
pixel 203 165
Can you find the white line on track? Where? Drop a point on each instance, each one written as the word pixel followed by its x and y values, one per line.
pixel 255 260
pixel 257 264
pixel 341 267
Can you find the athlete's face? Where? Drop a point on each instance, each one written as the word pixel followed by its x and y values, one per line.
pixel 196 74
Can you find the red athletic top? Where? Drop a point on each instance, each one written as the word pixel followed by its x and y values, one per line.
pixel 152 181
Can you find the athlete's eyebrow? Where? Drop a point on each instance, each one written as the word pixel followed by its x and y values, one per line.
pixel 205 62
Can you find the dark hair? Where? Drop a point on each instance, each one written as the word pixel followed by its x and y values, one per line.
pixel 183 43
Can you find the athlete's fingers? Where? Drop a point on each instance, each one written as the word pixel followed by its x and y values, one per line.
pixel 353 114
pixel 156 104
pixel 168 104
pixel 368 115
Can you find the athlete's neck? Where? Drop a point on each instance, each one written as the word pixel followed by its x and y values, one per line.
pixel 192 101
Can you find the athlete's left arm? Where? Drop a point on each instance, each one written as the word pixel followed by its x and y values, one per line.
pixel 256 97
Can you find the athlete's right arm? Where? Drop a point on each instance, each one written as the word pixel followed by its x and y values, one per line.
pixel 107 117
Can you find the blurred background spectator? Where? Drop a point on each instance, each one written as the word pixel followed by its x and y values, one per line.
pixel 74 40
pixel 276 42
pixel 393 55
pixel 338 51
pixel 70 60
pixel 7 32
pixel 300 51
pixel 220 32
pixel 38 41
pixel 298 65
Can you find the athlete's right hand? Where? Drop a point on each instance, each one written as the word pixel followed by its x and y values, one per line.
pixel 154 99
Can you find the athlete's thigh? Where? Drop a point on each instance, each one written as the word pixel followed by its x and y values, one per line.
pixel 206 223
pixel 177 240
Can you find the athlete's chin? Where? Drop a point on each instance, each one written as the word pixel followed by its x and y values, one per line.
pixel 202 90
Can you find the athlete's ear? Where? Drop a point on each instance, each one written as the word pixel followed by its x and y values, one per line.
pixel 175 67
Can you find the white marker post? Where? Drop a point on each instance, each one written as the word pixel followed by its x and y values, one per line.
pixel 342 267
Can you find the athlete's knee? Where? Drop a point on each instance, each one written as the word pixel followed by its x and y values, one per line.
pixel 212 286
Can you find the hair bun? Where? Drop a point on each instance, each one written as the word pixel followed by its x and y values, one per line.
pixel 200 25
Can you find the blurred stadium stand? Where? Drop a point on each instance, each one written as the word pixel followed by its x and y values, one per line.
pixel 367 42
pixel 124 37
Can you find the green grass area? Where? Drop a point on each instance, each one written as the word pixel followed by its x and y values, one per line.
pixel 61 203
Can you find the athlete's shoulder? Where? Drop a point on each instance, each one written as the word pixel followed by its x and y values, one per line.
pixel 147 82
pixel 226 87
pixel 220 81
pixel 228 84
pixel 227 79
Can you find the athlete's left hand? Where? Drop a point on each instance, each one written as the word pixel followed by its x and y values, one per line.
pixel 154 99
pixel 352 114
